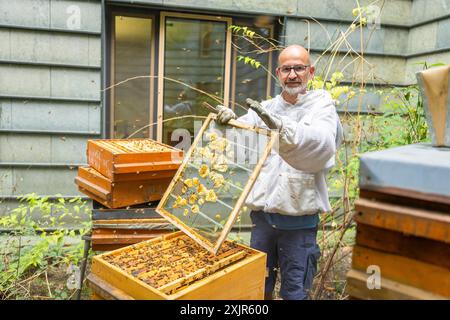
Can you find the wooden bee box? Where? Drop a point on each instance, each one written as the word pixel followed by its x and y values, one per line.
pixel 124 159
pixel 175 267
pixel 121 193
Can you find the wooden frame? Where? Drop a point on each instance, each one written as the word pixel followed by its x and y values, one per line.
pixel 240 202
pixel 161 70
pixel 151 17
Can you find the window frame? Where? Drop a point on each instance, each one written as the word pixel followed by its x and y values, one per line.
pixel 161 59
pixel 126 13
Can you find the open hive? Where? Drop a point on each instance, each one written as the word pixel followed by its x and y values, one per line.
pixel 176 267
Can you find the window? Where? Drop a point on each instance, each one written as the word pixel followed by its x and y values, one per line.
pixel 191 69
pixel 165 64
pixel 247 81
pixel 132 101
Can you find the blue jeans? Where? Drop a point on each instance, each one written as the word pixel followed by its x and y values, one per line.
pixel 295 252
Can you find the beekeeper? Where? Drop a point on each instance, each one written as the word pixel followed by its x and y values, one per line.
pixel 291 188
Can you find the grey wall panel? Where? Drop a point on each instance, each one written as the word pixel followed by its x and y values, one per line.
pixel 95 114
pixel 5 44
pixel 35 13
pixel 30 148
pixel 75 83
pixel 24 80
pixel 443 34
pixel 376 40
pixel 5 114
pixel 57 116
pixel 394 11
pixel 82 15
pixel 48 47
pixel 68 149
pixel 94 51
pixel 48 181
pixel 6 181
pixel 422 38
pixel 286 7
pixel 25 148
pixel 423 10
pixel 49 82
pixel 378 70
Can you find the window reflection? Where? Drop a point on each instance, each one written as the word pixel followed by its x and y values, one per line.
pixel 249 82
pixel 194 54
pixel 132 57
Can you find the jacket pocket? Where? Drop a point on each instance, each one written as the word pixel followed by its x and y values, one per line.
pixel 296 194
pixel 256 196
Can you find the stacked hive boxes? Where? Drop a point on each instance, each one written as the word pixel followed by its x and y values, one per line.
pixel 402 246
pixel 126 172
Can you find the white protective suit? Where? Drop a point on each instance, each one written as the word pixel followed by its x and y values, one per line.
pixel 293 181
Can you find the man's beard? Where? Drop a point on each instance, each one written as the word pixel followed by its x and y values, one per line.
pixel 293 91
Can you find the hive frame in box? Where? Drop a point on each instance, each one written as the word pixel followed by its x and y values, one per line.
pixel 213 248
pixel 247 276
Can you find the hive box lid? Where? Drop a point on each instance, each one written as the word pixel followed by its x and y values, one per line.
pixel 418 168
pixel 115 158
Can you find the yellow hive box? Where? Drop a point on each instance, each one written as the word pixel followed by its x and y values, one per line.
pixel 175 267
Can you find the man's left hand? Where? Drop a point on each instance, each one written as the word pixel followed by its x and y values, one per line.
pixel 269 119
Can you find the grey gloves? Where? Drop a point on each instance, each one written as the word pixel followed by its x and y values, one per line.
pixel 225 114
pixel 271 120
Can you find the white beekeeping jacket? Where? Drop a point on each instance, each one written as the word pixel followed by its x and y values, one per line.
pixel 292 180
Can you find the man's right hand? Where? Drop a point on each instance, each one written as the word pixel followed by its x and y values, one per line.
pixel 225 114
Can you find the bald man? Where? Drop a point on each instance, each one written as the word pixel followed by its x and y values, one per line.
pixel 291 188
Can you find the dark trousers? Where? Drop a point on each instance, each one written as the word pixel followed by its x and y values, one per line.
pixel 294 252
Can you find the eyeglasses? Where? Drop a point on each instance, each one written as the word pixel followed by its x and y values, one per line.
pixel 299 69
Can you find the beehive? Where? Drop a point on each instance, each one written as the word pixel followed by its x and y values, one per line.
pixel 122 193
pixel 130 159
pixel 403 225
pixel 175 267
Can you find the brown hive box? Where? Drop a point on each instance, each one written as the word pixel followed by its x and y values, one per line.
pixel 125 159
pixel 122 193
pixel 175 267
pixel 408 239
